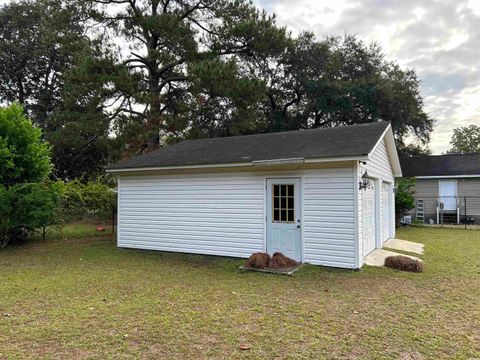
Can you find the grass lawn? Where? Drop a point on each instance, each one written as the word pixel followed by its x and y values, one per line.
pixel 84 298
pixel 78 229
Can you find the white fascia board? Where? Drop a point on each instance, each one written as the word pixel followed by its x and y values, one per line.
pixel 448 176
pixel 278 162
pixel 289 161
pixel 335 159
pixel 178 167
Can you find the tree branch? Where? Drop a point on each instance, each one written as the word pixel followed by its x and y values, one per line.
pixel 165 68
pixel 211 32
pixel 165 5
pixel 191 10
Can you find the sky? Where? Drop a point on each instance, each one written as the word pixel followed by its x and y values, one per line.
pixel 439 39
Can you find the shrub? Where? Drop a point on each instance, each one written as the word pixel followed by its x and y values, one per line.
pixel 24 157
pixel 280 261
pixel 404 197
pixel 404 263
pixel 258 261
pixel 91 199
pixel 27 200
pixel 27 207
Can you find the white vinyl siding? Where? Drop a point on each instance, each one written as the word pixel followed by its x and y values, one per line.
pixel 219 214
pixel 224 214
pixel 329 229
pixel 378 164
pixel 369 219
pixel 379 168
pixel 385 211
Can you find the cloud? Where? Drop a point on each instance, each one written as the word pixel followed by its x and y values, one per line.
pixel 439 39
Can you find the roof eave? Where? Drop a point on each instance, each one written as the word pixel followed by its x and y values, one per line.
pixel 256 163
pixel 156 168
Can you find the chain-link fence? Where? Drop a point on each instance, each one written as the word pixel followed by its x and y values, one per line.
pixel 456 211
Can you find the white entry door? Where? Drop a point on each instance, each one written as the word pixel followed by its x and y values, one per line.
pixel 448 194
pixel 385 211
pixel 283 217
pixel 369 215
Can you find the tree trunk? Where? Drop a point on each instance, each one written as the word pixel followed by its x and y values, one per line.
pixel 4 242
pixel 398 217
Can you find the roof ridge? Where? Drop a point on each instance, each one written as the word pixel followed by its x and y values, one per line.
pixel 373 123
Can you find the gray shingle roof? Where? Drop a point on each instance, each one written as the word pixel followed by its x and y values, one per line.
pixel 441 165
pixel 354 140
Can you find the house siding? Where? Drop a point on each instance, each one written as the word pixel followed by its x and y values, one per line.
pixel 329 230
pixel 216 215
pixel 379 168
pixel 470 188
pixel 378 164
pixel 428 191
pixel 224 214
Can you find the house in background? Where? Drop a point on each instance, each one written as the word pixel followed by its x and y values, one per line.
pixel 447 188
pixel 321 196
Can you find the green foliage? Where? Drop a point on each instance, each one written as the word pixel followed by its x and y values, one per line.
pixel 24 157
pixel 466 140
pixel 189 72
pixel 38 43
pixel 341 81
pixel 44 56
pixel 33 204
pixel 413 149
pixel 404 196
pixel 82 200
pixel 221 90
pixel 82 144
pixel 27 200
pixel 27 207
pixel 5 218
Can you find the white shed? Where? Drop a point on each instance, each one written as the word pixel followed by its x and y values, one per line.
pixel 296 192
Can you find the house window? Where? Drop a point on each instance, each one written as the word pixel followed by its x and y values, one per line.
pixel 283 209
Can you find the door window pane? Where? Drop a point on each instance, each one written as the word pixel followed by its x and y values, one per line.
pixel 283 206
pixel 290 215
pixel 276 190
pixel 289 190
pixel 290 202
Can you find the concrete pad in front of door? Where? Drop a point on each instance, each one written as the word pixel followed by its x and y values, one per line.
pixel 377 257
pixel 403 245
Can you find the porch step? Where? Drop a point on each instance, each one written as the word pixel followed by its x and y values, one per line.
pixel 449 218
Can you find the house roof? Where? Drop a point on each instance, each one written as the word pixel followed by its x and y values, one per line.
pixel 352 141
pixel 441 165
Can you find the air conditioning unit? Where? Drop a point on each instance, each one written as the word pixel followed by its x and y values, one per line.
pixel 407 219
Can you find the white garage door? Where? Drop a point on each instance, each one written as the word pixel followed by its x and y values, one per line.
pixel 368 205
pixel 385 212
